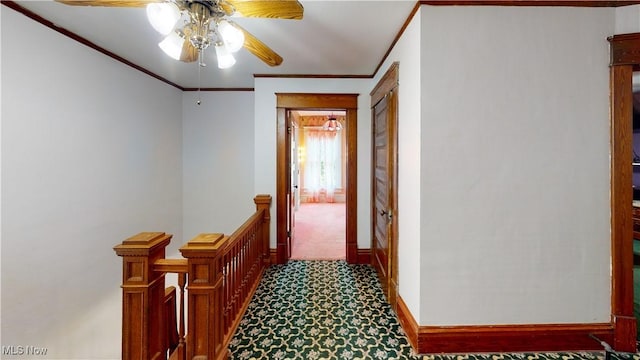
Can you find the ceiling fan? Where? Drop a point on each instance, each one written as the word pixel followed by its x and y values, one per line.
pixel 191 26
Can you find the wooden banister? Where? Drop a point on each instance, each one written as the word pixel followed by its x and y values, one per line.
pixel 142 295
pixel 223 273
pixel 174 339
pixel 177 266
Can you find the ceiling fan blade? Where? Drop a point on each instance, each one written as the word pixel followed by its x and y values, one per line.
pixel 258 48
pixel 189 52
pixel 109 3
pixel 279 9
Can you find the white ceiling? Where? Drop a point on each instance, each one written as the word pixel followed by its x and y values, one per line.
pixel 334 38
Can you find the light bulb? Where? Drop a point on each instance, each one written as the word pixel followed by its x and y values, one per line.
pixel 172 45
pixel 225 58
pixel 231 35
pixel 163 16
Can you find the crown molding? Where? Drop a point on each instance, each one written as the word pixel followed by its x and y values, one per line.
pixel 313 76
pixel 575 3
pixel 30 14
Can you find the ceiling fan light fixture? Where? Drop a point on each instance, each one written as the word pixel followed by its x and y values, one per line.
pixel 231 35
pixel 172 45
pixel 225 58
pixel 163 16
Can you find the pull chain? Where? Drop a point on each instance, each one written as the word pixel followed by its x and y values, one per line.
pixel 201 64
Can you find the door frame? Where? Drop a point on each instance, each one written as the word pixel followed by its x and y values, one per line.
pixel 388 86
pixel 625 57
pixel 307 101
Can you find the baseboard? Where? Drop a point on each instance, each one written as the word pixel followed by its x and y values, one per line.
pixel 364 256
pixel 273 256
pixel 502 338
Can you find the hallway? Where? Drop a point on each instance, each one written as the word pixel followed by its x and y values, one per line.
pixel 319 310
pixel 333 310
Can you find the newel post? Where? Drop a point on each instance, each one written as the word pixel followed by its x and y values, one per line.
pixel 142 295
pixel 205 335
pixel 263 201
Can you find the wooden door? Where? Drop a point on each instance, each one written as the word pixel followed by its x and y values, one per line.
pixel 384 190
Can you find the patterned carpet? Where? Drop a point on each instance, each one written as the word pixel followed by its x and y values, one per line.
pixel 333 310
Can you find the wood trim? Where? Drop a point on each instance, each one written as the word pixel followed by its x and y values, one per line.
pixel 584 3
pixel 621 209
pixel 388 86
pixel 501 338
pixel 178 266
pixel 273 256
pixel 13 5
pixel 281 187
pixel 317 101
pixel 351 160
pixel 218 89
pixel 625 49
pixel 313 76
pixel 299 101
pixel 364 256
pixel 28 13
pixel 387 83
pixel 512 338
pixel 398 36
pixel 408 322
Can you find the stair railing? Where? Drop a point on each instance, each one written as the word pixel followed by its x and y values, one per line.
pixel 220 274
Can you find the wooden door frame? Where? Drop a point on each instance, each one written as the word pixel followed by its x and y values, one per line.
pixel 625 56
pixel 304 101
pixel 388 84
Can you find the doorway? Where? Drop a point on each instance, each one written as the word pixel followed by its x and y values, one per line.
pixel 286 192
pixel 318 163
pixel 624 60
pixel 384 183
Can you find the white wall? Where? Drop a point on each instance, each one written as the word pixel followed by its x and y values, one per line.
pixel 515 165
pixel 406 52
pixel 91 154
pixel 265 139
pixel 627 19
pixel 218 153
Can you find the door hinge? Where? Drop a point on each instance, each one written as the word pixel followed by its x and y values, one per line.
pixel 288 129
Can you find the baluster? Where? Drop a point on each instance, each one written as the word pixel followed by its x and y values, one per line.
pixel 181 349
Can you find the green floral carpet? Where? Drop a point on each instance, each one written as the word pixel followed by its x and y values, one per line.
pixel 333 310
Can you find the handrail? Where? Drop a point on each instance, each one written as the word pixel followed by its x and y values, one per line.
pixel 223 273
pixel 176 266
pixel 246 260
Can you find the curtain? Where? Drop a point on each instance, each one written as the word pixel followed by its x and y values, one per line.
pixel 323 167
